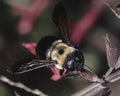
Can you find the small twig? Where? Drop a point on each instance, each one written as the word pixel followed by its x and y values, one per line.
pixel 114 77
pixel 91 90
pixel 22 86
pixel 95 88
pixel 16 94
pixel 108 72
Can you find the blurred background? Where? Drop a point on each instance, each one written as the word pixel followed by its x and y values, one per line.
pixel 24 21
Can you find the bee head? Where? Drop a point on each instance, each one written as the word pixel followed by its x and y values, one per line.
pixel 74 61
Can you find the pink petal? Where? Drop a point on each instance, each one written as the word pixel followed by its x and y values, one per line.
pixel 111 52
pixel 81 27
pixel 30 47
pixel 26 23
pixel 56 74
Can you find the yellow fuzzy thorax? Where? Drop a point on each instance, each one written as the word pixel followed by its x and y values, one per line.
pixel 60 56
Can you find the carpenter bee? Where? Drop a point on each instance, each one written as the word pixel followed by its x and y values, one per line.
pixel 56 52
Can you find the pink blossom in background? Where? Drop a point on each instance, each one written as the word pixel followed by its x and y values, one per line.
pixel 81 27
pixel 29 15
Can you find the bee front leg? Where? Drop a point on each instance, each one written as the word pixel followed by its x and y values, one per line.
pixel 88 75
pixel 71 74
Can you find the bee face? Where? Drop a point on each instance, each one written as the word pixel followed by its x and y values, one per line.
pixel 74 61
pixel 60 52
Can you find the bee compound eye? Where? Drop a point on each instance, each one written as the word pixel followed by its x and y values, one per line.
pixel 70 65
pixel 61 51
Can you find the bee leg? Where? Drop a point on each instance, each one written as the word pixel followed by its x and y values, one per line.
pixel 88 75
pixel 63 72
pixel 71 76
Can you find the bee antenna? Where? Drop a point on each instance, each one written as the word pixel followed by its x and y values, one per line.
pixel 88 67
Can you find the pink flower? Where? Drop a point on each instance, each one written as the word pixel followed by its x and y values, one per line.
pixel 29 15
pixel 30 47
pixel 81 27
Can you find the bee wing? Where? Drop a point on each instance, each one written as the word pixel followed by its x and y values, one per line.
pixel 60 19
pixel 26 65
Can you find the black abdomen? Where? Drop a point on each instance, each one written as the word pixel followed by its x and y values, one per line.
pixel 43 45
